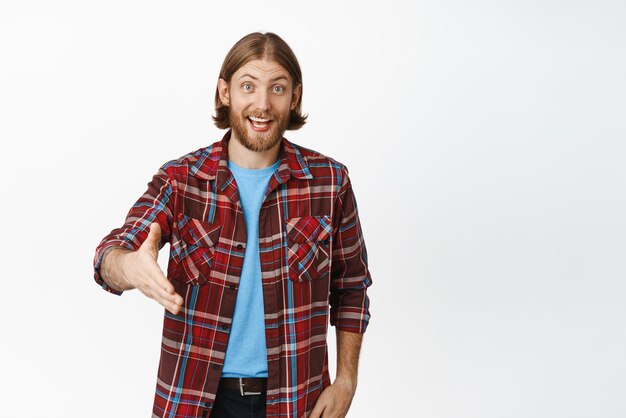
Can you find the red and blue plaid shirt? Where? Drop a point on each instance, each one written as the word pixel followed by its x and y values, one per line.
pixel 313 265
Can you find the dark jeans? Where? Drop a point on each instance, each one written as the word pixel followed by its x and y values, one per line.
pixel 230 404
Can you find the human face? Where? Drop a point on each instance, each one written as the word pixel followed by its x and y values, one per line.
pixel 260 97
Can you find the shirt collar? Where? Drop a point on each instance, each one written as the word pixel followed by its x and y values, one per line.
pixel 213 162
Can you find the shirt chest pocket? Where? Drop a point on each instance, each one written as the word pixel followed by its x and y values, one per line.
pixel 308 248
pixel 193 255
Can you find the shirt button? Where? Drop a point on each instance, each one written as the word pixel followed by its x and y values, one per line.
pixel 224 326
pixel 239 247
pixel 232 287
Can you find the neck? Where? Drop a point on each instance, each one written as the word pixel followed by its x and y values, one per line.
pixel 253 160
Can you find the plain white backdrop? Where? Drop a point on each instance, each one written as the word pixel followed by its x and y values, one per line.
pixel 485 142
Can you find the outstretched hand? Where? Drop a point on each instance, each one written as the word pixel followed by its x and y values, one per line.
pixel 141 270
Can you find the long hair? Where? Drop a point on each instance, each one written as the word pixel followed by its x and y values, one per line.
pixel 254 46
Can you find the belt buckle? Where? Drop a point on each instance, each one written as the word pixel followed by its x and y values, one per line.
pixel 243 392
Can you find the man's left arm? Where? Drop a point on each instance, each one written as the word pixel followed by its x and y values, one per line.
pixel 336 399
pixel 349 310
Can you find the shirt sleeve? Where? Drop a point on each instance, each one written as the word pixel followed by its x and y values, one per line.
pixel 350 276
pixel 155 205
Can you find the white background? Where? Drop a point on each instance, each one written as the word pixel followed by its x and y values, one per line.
pixel 485 142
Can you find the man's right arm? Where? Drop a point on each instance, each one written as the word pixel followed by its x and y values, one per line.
pixel 123 269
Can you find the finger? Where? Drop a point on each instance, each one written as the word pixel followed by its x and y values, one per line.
pixel 162 286
pixel 163 293
pixel 317 410
pixel 172 307
pixel 153 239
pixel 160 280
pixel 170 301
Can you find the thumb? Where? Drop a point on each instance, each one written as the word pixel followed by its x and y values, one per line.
pixel 151 243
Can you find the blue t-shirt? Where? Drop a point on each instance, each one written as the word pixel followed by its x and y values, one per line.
pixel 246 354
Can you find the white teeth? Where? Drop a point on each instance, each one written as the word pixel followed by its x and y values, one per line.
pixel 258 119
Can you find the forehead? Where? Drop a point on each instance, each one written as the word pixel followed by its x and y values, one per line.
pixel 264 70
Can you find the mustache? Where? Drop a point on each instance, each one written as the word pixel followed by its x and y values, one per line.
pixel 261 115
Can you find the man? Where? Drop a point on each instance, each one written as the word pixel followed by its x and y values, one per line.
pixel 265 248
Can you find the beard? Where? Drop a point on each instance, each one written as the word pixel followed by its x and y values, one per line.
pixel 258 141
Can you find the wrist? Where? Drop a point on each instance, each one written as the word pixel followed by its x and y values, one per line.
pixel 347 381
pixel 113 268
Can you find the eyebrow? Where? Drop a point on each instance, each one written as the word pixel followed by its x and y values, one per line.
pixel 280 77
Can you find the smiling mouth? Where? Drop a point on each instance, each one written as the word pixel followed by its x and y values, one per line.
pixel 259 124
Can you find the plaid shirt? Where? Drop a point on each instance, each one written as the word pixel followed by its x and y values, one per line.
pixel 313 267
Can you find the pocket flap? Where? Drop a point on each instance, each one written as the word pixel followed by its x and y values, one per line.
pixel 309 228
pixel 197 232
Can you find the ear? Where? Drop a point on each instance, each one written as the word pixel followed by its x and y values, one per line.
pixel 295 96
pixel 222 88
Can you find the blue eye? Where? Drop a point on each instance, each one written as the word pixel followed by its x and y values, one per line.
pixel 247 87
pixel 279 89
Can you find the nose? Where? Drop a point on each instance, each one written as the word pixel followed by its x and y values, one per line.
pixel 262 101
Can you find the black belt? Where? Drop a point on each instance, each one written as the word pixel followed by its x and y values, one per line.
pixel 245 385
